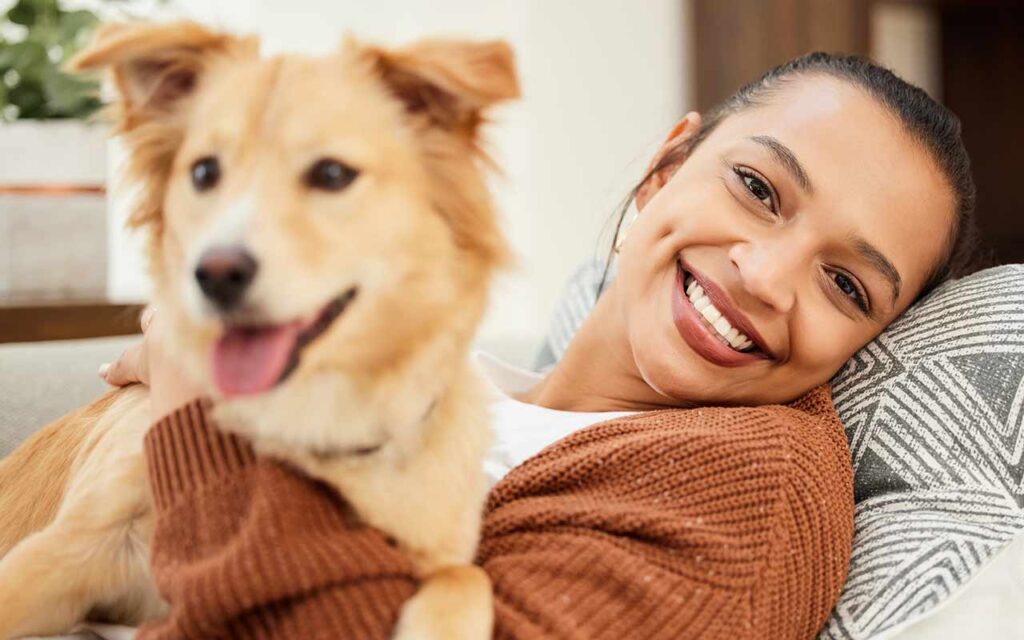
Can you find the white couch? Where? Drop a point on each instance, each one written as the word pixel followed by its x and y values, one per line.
pixel 41 381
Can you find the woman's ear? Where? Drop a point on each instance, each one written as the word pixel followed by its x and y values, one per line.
pixel 659 175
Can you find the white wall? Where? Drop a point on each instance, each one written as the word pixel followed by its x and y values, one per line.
pixel 603 81
pixel 907 39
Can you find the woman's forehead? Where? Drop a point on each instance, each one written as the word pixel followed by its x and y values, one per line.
pixel 863 174
pixel 834 124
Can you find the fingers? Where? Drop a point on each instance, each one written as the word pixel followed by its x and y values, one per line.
pixel 146 318
pixel 130 368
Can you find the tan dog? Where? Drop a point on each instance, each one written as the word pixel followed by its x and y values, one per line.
pixel 322 242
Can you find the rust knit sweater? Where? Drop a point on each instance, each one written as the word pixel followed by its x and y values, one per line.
pixel 701 523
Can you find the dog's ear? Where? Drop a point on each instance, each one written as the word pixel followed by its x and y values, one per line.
pixel 154 66
pixel 449 81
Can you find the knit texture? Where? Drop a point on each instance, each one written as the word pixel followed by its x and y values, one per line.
pixel 701 523
pixel 246 548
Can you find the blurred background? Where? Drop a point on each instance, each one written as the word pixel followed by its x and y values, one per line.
pixel 603 82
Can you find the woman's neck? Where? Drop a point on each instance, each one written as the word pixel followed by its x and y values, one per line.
pixel 597 371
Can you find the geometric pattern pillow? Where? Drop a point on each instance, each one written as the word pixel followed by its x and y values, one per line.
pixel 934 414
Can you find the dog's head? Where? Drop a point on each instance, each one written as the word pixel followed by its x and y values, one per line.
pixel 307 214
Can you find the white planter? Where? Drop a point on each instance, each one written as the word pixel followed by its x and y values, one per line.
pixel 64 152
pixel 52 210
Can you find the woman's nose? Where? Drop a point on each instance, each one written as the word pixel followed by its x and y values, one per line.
pixel 767 273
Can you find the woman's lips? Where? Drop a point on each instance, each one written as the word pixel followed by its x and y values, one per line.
pixel 702 338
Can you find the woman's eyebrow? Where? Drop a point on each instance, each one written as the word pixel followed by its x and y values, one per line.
pixel 879 263
pixel 867 251
pixel 788 159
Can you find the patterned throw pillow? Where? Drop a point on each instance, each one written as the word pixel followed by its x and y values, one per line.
pixel 934 413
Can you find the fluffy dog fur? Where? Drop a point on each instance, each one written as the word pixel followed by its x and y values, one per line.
pixel 414 233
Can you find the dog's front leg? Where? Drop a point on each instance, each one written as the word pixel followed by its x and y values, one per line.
pixel 53 578
pixel 94 554
pixel 432 508
pixel 453 602
pixel 34 598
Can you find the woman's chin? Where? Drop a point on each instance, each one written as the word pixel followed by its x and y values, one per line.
pixel 679 375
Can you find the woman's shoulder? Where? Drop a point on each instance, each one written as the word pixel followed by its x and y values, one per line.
pixel 803 431
pixel 762 495
pixel 801 443
pixel 803 489
pixel 791 464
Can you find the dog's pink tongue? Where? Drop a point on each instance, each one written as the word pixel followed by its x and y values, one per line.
pixel 251 360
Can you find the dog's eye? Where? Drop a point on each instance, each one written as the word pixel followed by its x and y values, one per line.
pixel 205 173
pixel 330 175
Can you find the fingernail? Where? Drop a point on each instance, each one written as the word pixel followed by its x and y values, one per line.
pixel 104 368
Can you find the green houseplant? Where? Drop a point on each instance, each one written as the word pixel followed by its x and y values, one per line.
pixel 34 84
pixel 47 134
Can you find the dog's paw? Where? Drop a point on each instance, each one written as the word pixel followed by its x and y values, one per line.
pixel 454 603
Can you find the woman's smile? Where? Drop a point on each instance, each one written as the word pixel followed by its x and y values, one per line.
pixel 711 324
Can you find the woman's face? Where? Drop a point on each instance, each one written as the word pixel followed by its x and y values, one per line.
pixel 809 223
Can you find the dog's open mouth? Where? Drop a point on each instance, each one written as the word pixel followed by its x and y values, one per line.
pixel 251 359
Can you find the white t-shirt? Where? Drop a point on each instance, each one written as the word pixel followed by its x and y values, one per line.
pixel 521 429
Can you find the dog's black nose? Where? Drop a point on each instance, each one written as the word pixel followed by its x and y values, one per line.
pixel 224 274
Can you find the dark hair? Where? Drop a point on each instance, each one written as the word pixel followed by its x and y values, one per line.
pixel 929 122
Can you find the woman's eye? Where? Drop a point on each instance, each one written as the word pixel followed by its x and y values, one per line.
pixel 757 188
pixel 328 174
pixel 848 288
pixel 205 173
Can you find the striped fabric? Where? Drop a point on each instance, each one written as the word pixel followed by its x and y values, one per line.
pixel 577 300
pixel 934 414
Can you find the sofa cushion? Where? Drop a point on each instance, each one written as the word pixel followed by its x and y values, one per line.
pixel 933 410
pixel 40 381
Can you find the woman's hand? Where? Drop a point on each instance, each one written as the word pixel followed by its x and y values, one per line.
pixel 133 365
pixel 146 363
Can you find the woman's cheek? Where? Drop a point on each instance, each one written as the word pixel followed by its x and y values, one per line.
pixel 696 214
pixel 817 358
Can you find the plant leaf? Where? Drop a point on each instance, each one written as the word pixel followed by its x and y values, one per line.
pixel 68 96
pixel 74 27
pixel 24 56
pixel 31 12
pixel 28 97
pixel 53 36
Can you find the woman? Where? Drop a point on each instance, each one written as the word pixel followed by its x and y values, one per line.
pixel 775 237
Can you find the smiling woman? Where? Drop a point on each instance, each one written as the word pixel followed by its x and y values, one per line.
pixel 783 232
pixel 775 237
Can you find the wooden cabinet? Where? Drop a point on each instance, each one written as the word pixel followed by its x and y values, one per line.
pixel 737 40
pixel 983 82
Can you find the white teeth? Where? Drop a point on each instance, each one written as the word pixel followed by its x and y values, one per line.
pixel 711 313
pixel 714 317
pixel 737 340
